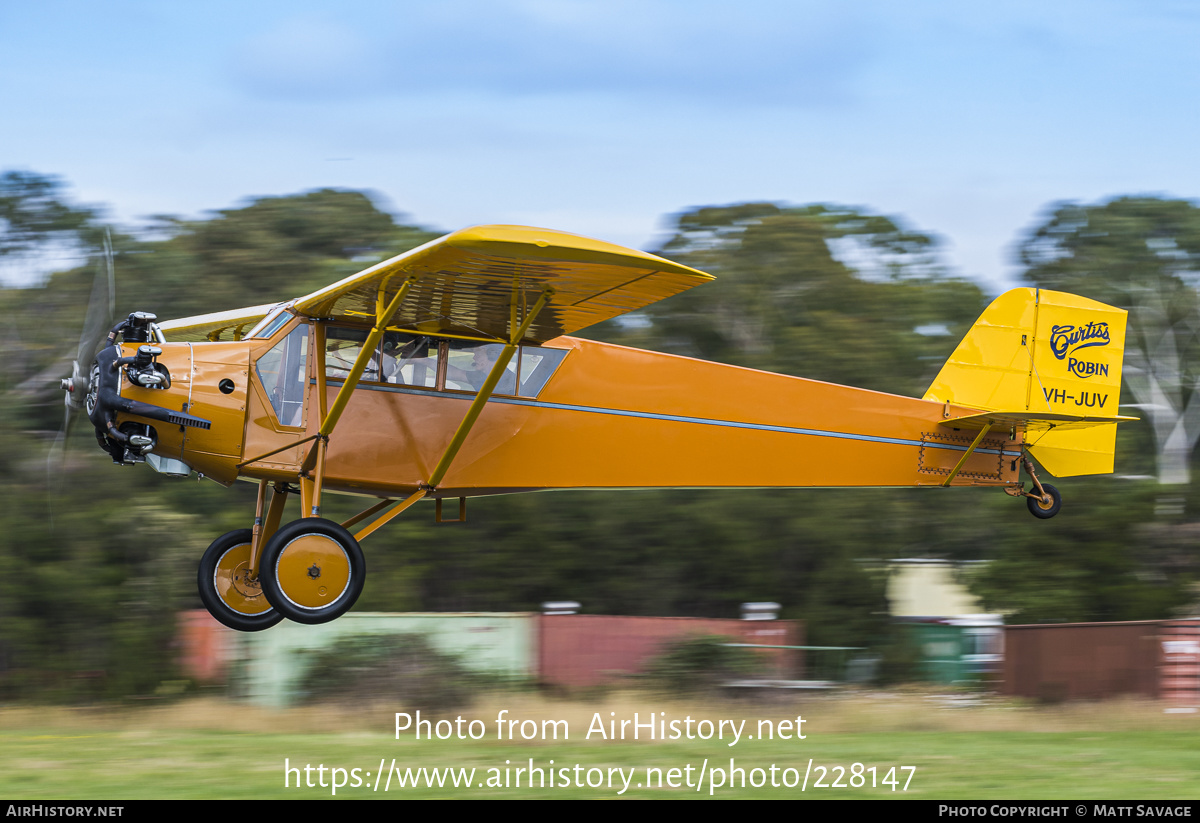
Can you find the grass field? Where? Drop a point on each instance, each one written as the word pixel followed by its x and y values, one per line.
pixel 972 748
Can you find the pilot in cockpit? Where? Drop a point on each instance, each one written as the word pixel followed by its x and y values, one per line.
pixel 482 360
pixel 410 363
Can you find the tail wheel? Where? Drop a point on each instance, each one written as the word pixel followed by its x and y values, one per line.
pixel 1043 507
pixel 226 588
pixel 312 570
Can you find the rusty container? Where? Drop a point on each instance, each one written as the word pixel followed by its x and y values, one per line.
pixel 206 648
pixel 1180 663
pixel 1082 661
pixel 580 650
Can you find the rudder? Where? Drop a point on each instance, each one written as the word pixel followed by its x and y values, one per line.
pixel 1042 351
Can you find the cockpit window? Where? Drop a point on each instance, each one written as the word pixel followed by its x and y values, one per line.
pixel 422 361
pixel 283 372
pixel 342 347
pixel 270 324
pixel 410 360
pixel 536 367
pixel 469 364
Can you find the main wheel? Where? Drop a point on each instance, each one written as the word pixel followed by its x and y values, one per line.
pixel 312 570
pixel 1043 509
pixel 226 588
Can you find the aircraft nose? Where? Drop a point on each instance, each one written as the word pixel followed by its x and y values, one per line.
pixel 147 372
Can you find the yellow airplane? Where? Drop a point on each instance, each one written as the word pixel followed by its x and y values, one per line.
pixel 448 372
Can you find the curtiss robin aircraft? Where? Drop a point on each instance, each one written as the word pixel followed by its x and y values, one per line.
pixel 448 372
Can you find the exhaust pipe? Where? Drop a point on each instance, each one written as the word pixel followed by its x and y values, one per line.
pixel 104 400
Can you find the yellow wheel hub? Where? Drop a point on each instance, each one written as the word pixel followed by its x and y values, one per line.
pixel 233 584
pixel 313 571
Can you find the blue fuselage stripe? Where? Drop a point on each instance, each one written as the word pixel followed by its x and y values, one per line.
pixel 676 418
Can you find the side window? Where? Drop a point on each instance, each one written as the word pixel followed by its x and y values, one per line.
pixel 341 350
pixel 413 360
pixel 409 360
pixel 283 372
pixel 470 363
pixel 536 367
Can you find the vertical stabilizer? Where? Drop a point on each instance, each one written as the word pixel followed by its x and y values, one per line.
pixel 1041 351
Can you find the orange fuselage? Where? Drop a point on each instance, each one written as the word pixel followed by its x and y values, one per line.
pixel 608 417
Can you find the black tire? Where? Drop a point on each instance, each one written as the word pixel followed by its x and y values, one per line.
pixel 1039 508
pixel 221 576
pixel 296 560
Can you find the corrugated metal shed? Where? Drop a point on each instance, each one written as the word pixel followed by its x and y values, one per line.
pixel 582 650
pixel 1180 682
pixel 274 661
pixel 206 648
pixel 1082 661
pixel 561 650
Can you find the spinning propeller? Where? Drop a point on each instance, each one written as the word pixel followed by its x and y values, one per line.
pixel 100 310
pixel 100 369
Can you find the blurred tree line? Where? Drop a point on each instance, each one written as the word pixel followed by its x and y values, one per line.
pixel 99 560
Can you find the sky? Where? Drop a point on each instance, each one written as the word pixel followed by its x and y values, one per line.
pixel 606 117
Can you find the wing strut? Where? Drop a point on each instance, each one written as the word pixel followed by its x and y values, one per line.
pixel 312 481
pixel 264 529
pixel 310 485
pixel 383 316
pixel 485 391
pixel 390 515
pixel 963 460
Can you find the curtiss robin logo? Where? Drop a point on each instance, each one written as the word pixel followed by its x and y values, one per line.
pixel 1067 339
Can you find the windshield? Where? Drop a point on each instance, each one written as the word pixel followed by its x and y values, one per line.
pixel 270 324
pixel 283 372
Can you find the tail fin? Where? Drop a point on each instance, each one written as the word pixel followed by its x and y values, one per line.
pixel 1041 356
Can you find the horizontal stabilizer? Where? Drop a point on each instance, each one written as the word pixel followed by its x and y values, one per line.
pixel 1032 421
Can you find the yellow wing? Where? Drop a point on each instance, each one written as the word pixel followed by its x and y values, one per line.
pixel 232 324
pixel 479 282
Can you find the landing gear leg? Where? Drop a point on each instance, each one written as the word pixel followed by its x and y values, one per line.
pixel 1044 501
pixel 228 577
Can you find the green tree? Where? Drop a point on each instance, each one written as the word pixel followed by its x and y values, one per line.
pixel 272 249
pixel 1142 254
pixel 35 213
pixel 108 556
pixel 39 226
pixel 1098 562
pixel 817 291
